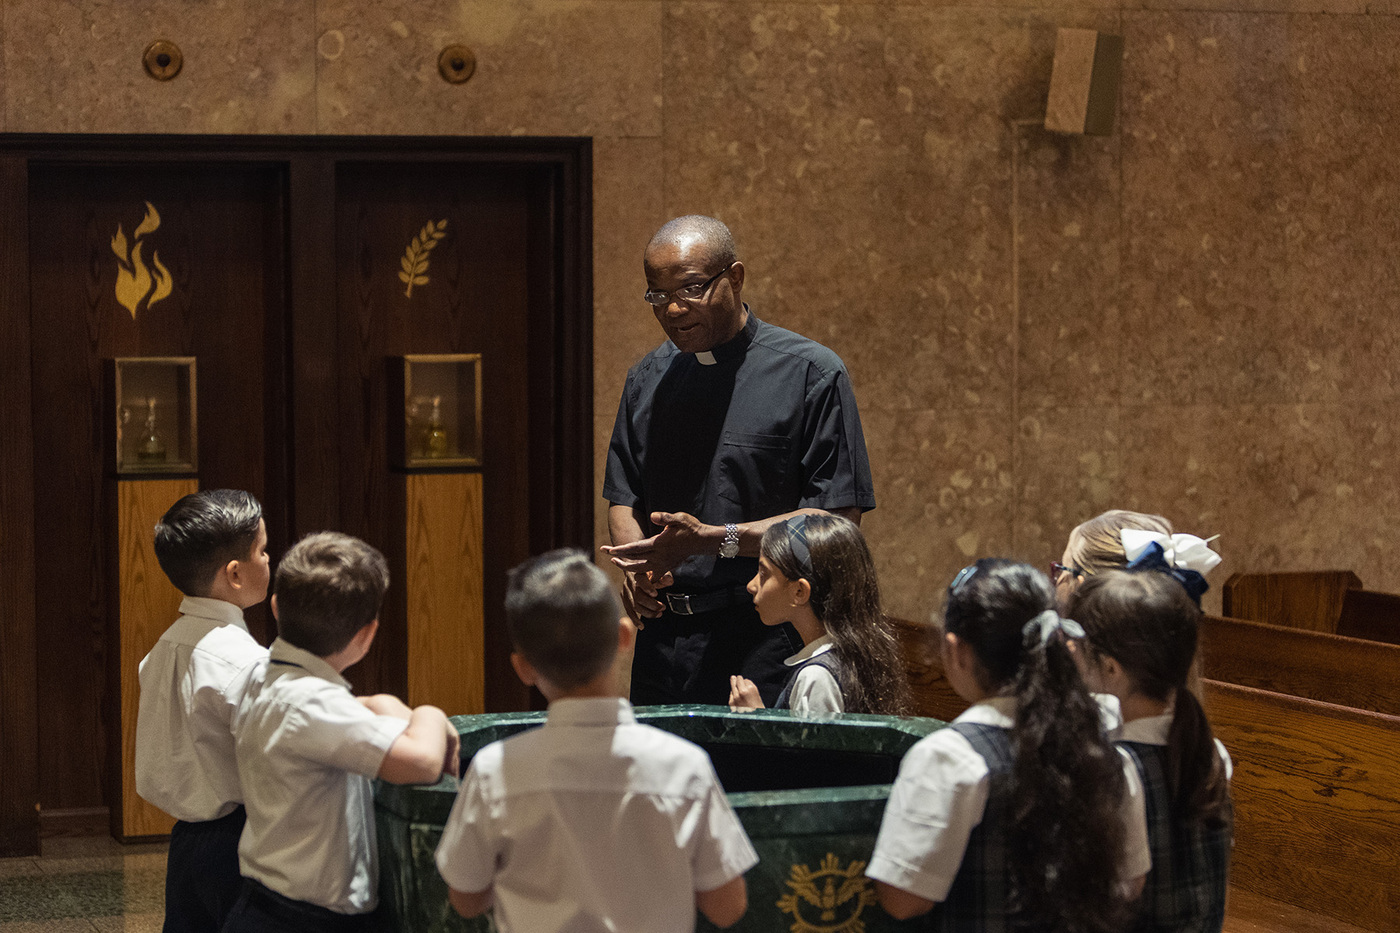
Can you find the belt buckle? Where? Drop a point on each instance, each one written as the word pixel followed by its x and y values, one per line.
pixel 679 603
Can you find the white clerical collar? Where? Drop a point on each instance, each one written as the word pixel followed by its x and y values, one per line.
pixel 705 358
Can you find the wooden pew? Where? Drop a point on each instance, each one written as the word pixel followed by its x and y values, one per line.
pixel 1375 616
pixel 1317 803
pixel 1305 599
pixel 933 696
pixel 1331 668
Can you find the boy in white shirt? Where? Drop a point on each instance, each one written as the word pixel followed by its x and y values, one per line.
pixel 593 821
pixel 213 547
pixel 307 748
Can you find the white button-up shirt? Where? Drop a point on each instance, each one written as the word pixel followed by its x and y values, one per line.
pixel 814 690
pixel 191 684
pixel 593 822
pixel 1156 730
pixel 306 751
pixel 940 796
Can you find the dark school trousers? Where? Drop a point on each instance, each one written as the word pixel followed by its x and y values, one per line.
pixel 689 658
pixel 262 910
pixel 201 874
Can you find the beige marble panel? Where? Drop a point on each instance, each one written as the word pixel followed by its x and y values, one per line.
pixel 3 96
pixel 75 67
pixel 1206 202
pixel 862 156
pixel 1330 7
pixel 1068 469
pixel 943 489
pixel 1343 230
pixel 544 68
pixel 1068 212
pixel 1287 487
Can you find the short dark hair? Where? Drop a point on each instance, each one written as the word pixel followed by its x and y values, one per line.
pixel 202 532
pixel 328 587
pixel 719 242
pixel 562 614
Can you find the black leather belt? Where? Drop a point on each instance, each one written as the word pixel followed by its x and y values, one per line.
pixel 689 604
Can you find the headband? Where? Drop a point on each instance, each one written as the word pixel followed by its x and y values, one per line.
pixel 1047 624
pixel 1186 557
pixel 797 542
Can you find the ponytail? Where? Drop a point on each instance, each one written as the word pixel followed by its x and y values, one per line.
pixel 1067 781
pixel 1195 772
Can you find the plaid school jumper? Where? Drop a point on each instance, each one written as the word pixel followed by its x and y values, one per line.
pixel 1185 890
pixel 977 901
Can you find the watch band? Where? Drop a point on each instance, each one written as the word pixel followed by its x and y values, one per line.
pixel 729 547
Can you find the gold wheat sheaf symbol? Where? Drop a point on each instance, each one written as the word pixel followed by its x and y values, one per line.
pixel 828 900
pixel 134 280
pixel 415 258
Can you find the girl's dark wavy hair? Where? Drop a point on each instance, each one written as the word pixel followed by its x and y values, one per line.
pixel 846 598
pixel 1148 623
pixel 1065 838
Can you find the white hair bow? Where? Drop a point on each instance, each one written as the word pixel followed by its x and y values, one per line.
pixel 1180 551
pixel 1048 622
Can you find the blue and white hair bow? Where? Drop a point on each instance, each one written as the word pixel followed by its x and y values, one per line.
pixel 1186 557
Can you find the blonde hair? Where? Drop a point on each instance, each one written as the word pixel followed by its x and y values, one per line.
pixel 1096 545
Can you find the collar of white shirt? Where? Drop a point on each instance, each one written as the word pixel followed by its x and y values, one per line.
pixel 214 610
pixel 993 711
pixel 810 650
pixel 284 652
pixel 1149 730
pixel 590 711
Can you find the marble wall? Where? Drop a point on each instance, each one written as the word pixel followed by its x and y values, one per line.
pixel 1196 316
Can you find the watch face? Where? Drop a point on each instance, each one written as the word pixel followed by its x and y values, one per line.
pixel 729 549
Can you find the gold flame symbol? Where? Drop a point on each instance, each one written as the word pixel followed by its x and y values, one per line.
pixel 134 280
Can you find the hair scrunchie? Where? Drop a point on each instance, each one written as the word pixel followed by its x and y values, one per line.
pixel 1047 624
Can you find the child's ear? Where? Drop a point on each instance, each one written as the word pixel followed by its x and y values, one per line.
pixel 524 669
pixel 801 592
pixel 274 608
pixel 626 634
pixel 365 637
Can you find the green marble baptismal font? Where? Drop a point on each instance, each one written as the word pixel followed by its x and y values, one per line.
pixel 810 793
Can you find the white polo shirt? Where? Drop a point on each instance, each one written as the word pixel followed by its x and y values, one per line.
pixel 940 796
pixel 593 822
pixel 1156 730
pixel 306 752
pixel 191 684
pixel 814 689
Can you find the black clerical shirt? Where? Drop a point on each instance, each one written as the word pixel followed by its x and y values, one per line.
pixel 768 427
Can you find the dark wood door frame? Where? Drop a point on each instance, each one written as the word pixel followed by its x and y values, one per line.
pixel 561 471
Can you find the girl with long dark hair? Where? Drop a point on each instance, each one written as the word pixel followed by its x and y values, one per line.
pixel 1142 629
pixel 1020 815
pixel 815 571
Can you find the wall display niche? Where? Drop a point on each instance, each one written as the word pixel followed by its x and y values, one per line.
pixel 152 400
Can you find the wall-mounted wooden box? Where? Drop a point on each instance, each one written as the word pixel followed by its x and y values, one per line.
pixel 151 408
pixel 435 411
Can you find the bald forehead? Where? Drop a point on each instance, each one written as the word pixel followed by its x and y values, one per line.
pixel 694 237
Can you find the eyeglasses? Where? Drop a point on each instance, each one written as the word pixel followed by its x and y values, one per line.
pixel 1057 568
pixel 686 293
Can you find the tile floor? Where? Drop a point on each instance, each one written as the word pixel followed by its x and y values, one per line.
pixel 84 885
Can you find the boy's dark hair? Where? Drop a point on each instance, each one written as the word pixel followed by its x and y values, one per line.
pixel 328 587
pixel 1067 780
pixel 1149 624
pixel 202 532
pixel 562 615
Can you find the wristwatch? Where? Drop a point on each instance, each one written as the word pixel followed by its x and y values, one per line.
pixel 729 547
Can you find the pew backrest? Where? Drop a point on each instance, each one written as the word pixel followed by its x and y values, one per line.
pixel 1317 666
pixel 1317 802
pixel 931 693
pixel 1309 599
pixel 1375 616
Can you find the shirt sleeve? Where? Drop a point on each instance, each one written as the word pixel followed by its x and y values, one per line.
pixel 1137 856
pixel 724 851
pixel 835 465
pixel 815 692
pixel 622 477
pixel 937 800
pixel 332 728
pixel 467 855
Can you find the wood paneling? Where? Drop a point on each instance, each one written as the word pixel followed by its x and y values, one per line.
pixel 1317 802
pixel 147 603
pixel 446 662
pixel 19 773
pixel 1315 665
pixel 1304 599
